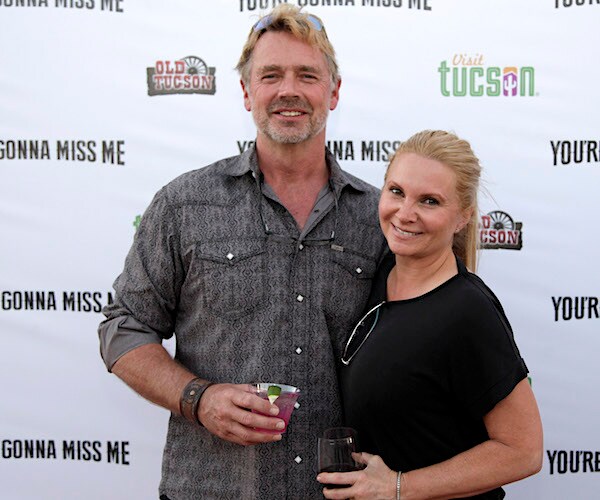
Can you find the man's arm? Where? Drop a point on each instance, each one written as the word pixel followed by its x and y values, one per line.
pixel 224 408
pixel 153 374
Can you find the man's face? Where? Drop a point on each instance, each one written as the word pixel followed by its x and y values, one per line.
pixel 290 92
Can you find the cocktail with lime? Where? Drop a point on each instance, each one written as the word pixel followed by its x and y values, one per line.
pixel 281 395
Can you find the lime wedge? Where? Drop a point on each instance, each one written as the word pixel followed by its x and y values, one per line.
pixel 273 393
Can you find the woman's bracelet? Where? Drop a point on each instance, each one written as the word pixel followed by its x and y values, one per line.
pixel 398 485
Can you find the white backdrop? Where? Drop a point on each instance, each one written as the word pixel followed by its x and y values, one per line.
pixel 83 147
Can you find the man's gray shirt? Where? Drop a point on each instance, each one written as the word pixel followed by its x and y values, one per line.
pixel 220 263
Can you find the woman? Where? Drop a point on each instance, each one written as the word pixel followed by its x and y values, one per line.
pixel 433 380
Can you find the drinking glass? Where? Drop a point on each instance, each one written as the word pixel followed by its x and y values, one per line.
pixel 281 395
pixel 335 449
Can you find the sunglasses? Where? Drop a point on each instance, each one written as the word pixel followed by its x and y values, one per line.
pixel 266 21
pixel 290 239
pixel 361 333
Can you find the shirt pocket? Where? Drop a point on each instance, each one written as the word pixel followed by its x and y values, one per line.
pixel 233 276
pixel 350 285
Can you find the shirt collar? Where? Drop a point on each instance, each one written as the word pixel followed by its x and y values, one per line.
pixel 247 162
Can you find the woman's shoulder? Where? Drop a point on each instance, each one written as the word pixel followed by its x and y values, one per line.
pixel 478 299
pixel 475 287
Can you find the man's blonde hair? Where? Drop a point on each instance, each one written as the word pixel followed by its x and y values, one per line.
pixel 304 26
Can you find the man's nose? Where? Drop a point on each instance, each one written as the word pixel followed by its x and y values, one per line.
pixel 288 86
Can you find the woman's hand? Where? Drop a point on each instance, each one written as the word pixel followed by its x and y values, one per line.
pixel 376 481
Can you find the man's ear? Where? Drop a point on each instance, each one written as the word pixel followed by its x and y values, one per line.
pixel 335 95
pixel 247 104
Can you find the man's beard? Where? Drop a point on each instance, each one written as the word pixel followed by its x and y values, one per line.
pixel 291 134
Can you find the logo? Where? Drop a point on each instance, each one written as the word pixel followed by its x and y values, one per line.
pixel 567 308
pixel 189 75
pixel 469 76
pixel 567 152
pixel 498 230
pixel 137 221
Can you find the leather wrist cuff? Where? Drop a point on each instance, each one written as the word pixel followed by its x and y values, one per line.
pixel 190 399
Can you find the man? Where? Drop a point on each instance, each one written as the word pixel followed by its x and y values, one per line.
pixel 259 264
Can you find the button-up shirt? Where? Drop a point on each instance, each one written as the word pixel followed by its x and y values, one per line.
pixel 220 263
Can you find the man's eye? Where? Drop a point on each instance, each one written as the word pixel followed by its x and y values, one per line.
pixel 397 191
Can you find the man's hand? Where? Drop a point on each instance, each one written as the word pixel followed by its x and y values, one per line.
pixel 225 410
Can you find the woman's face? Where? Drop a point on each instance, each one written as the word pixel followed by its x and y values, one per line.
pixel 419 209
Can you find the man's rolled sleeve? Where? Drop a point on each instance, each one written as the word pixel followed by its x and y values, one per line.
pixel 147 290
pixel 120 335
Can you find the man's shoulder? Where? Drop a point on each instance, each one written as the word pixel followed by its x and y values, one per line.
pixel 360 184
pixel 215 179
pixel 343 178
pixel 213 172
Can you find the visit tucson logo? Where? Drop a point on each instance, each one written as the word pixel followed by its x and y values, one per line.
pixel 469 75
pixel 190 75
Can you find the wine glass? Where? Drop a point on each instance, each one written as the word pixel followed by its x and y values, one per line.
pixel 335 449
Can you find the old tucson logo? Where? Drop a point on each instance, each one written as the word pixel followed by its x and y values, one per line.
pixel 497 229
pixel 189 75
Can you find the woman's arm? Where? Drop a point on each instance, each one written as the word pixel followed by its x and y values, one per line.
pixel 514 451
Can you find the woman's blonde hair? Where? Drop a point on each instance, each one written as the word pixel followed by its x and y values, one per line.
pixel 457 154
pixel 288 18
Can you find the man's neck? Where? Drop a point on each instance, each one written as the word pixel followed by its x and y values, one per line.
pixel 285 165
pixel 295 172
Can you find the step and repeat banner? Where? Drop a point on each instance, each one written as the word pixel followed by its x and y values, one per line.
pixel 102 102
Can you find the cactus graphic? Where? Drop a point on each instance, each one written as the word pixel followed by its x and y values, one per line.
pixel 136 222
pixel 509 82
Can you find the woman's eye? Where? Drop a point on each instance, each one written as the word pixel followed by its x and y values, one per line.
pixel 396 191
pixel 431 201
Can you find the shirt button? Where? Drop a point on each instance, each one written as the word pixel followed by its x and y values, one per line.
pixel 300 246
pixel 297 405
pixel 298 459
pixel 298 350
pixel 358 270
pixel 300 298
pixel 229 256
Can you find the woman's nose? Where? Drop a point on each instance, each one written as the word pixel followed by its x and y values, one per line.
pixel 406 212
